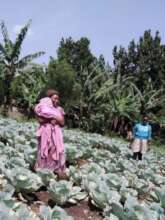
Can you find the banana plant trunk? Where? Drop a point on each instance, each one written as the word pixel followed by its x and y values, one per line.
pixel 7 97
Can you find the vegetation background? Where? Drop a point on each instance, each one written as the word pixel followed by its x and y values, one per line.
pixel 96 97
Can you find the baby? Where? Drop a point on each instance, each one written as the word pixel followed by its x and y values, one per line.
pixel 46 112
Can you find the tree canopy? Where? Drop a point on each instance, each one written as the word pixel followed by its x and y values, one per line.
pixel 96 96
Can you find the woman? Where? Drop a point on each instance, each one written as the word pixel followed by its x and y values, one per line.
pixel 50 153
pixel 142 136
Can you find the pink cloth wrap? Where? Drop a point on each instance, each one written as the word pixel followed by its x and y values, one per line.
pixel 45 110
pixel 50 137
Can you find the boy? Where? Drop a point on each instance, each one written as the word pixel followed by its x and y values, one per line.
pixel 142 136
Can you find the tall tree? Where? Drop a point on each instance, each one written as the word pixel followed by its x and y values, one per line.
pixel 144 60
pixel 77 54
pixel 10 53
pixel 101 62
pixel 62 77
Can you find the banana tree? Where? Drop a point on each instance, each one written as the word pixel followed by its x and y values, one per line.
pixel 119 101
pixel 27 87
pixel 151 98
pixel 10 53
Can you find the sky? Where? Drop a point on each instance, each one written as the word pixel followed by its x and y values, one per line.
pixel 105 22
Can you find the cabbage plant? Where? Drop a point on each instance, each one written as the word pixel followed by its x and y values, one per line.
pixel 57 213
pixel 63 191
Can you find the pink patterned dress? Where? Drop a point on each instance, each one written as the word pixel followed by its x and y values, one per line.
pixel 50 152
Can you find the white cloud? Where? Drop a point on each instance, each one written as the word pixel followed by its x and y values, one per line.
pixel 17 28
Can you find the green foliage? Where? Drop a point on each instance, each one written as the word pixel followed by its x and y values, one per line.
pixel 56 213
pixel 64 191
pixel 135 85
pixel 26 88
pixel 62 77
pixel 77 54
pixel 145 62
pixel 10 58
pixel 95 96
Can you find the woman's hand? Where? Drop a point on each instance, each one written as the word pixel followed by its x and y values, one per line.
pixel 62 122
pixel 53 122
pixel 42 120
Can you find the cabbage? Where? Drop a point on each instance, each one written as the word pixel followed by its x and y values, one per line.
pixel 57 213
pixel 72 153
pixel 136 211
pixel 111 179
pixel 23 179
pixel 16 212
pixel 160 192
pixel 64 191
pixel 75 175
pixel 46 175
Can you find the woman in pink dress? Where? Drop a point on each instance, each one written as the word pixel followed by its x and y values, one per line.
pixel 50 153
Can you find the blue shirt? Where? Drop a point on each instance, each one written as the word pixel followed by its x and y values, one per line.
pixel 141 131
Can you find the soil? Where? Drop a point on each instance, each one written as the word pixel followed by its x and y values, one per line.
pixel 81 162
pixel 43 199
pixel 14 113
pixel 43 196
pixel 81 211
pixel 35 207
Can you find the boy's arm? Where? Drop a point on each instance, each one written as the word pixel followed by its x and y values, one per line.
pixel 149 133
pixel 134 130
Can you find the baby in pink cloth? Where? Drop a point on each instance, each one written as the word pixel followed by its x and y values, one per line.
pixel 45 109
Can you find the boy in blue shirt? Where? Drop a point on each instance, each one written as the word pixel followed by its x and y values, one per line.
pixel 142 136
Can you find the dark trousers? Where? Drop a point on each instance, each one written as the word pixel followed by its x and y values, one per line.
pixel 137 156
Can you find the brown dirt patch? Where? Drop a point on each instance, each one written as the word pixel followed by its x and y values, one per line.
pixel 82 211
pixel 35 208
pixel 43 199
pixel 14 113
pixel 43 196
pixel 81 162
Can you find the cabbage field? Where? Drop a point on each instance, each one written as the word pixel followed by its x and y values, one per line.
pixel 100 170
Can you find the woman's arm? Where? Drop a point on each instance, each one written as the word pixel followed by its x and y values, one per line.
pixel 47 112
pixel 61 122
pixel 42 120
